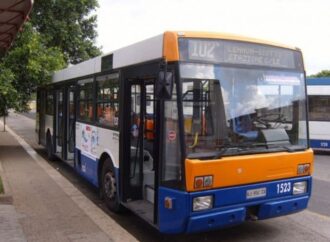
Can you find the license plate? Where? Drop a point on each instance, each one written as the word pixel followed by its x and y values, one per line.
pixel 254 193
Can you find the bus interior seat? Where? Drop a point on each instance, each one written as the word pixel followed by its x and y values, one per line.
pixel 187 125
pixel 149 129
pixel 99 112
pixel 90 112
pixel 243 127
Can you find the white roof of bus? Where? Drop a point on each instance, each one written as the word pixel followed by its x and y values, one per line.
pixel 146 50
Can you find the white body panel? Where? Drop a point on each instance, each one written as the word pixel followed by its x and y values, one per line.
pixel 143 51
pixel 82 69
pixel 319 130
pixel 92 141
pixel 318 90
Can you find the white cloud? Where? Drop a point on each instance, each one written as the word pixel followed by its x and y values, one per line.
pixel 301 23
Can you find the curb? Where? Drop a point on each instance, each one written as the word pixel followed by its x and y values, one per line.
pixel 6 197
pixel 108 225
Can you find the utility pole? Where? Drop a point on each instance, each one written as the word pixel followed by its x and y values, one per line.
pixel 4 116
pixel 4 119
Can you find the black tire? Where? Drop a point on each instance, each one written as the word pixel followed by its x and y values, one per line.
pixel 49 147
pixel 109 187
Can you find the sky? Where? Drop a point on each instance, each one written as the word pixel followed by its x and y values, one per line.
pixel 301 23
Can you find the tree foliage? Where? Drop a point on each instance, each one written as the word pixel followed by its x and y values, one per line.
pixel 68 25
pixel 28 64
pixel 8 94
pixel 324 73
pixel 60 32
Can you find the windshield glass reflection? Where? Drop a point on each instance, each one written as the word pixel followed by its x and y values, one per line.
pixel 236 110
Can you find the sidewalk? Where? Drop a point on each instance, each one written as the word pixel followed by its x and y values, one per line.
pixel 45 206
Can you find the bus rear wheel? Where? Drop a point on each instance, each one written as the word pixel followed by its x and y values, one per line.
pixel 109 187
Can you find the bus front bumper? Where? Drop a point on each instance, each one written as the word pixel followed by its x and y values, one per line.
pixel 236 216
pixel 230 206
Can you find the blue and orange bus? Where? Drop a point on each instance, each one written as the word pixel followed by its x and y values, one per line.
pixel 191 131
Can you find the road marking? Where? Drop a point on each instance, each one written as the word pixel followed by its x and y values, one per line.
pixel 104 221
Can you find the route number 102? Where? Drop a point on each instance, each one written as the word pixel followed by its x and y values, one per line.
pixel 203 50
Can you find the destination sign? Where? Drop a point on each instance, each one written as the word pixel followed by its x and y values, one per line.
pixel 234 52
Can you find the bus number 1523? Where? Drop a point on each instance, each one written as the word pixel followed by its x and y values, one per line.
pixel 283 187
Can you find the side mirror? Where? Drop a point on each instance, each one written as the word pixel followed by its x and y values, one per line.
pixel 164 85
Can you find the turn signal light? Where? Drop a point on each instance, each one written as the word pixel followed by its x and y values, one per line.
pixel 303 169
pixel 168 203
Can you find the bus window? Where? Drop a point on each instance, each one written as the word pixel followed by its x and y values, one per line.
pixel 319 108
pixel 150 113
pixel 107 100
pixel 85 100
pixel 172 154
pixel 203 109
pixel 50 103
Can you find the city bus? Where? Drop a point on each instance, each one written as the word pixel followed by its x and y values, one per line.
pixel 191 131
pixel 318 90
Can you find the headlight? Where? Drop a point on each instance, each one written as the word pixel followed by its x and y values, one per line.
pixel 202 203
pixel 299 188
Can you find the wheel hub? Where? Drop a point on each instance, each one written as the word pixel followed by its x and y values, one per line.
pixel 109 185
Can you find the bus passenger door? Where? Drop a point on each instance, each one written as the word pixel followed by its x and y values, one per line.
pixel 70 125
pixel 41 102
pixel 136 142
pixel 59 129
pixel 140 189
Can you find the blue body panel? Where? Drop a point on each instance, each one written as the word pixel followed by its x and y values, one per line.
pixel 230 206
pixel 278 208
pixel 174 220
pixel 320 144
pixel 88 168
pixel 216 220
pixel 318 81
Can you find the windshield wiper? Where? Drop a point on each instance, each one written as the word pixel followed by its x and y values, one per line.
pixel 238 148
pixel 243 148
pixel 214 154
pixel 269 120
pixel 293 148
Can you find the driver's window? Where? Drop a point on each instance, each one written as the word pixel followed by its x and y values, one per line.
pixel 196 107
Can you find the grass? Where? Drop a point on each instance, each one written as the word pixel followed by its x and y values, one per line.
pixel 1 186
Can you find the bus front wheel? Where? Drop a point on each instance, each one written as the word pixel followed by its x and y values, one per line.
pixel 109 187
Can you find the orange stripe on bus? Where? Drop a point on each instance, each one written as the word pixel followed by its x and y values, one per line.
pixel 247 169
pixel 170 46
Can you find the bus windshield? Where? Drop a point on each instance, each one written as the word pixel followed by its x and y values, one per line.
pixel 234 110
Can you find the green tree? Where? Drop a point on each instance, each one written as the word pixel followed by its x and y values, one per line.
pixel 28 64
pixel 60 32
pixel 8 94
pixel 324 73
pixel 68 25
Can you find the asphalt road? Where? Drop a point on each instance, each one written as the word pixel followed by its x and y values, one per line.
pixel 312 224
